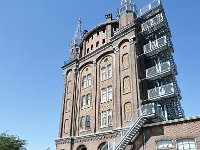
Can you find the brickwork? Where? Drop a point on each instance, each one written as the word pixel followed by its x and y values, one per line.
pixel 168 131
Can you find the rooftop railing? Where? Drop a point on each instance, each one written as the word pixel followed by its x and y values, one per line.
pixel 149 7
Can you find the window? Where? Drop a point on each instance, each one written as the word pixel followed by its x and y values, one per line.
pixel 104 30
pixel 69 87
pixel 103 74
pixel 84 82
pixel 97 33
pixel 88 100
pixel 97 44
pixel 87 121
pixel 186 144
pixel 106 118
pixel 103 119
pixel 103 95
pixel 83 102
pixel 109 93
pixel 103 41
pixel 106 72
pixel 125 61
pixel 66 126
pixel 164 144
pixel 82 123
pixel 92 47
pixel 67 105
pixel 109 117
pixel 126 85
pixel 109 71
pixel 127 111
pixel 89 80
pixel 87 50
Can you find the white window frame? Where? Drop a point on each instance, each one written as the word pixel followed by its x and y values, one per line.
pixel 84 82
pixel 164 144
pixel 88 100
pixel 103 119
pixel 183 143
pixel 82 123
pixel 89 80
pixel 109 93
pixel 103 74
pixel 109 71
pixel 83 102
pixel 103 95
pixel 109 117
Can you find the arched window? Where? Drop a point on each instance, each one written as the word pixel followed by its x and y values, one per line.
pixel 106 68
pixel 69 86
pixel 66 126
pixel 67 109
pixel 126 85
pixel 125 61
pixel 127 112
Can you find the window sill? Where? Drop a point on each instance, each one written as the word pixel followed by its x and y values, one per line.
pixel 106 101
pixel 106 126
pixel 106 79
pixel 84 130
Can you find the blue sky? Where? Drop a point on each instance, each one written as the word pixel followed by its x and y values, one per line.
pixel 34 43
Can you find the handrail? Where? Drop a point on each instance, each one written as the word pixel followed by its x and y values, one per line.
pixel 144 111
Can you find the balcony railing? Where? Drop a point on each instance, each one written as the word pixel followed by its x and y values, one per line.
pixel 165 91
pixel 162 69
pixel 149 7
pixel 154 47
pixel 153 24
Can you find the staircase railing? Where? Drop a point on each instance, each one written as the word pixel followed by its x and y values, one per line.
pixel 139 119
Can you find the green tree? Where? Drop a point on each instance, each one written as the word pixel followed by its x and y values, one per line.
pixel 11 142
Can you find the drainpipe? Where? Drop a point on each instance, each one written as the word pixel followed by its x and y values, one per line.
pixel 144 141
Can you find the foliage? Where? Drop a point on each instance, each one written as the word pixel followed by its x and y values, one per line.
pixel 11 142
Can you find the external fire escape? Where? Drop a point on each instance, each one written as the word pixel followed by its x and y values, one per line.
pixel 163 94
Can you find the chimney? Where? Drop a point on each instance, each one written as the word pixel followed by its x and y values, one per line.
pixel 108 17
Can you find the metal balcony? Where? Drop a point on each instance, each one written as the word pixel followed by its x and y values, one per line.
pixel 164 92
pixel 154 24
pixel 151 9
pixel 160 70
pixel 157 46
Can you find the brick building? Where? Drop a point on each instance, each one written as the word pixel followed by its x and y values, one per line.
pixel 120 89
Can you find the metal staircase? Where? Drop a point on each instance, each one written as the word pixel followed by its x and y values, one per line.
pixel 147 112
